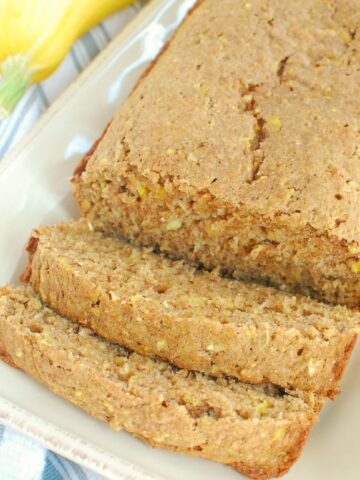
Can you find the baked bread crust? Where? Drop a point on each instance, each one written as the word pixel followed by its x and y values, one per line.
pixel 271 198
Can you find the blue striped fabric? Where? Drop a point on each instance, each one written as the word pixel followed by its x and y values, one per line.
pixel 39 97
pixel 22 458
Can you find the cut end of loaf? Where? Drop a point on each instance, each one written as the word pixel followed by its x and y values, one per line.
pixel 218 420
pixel 202 321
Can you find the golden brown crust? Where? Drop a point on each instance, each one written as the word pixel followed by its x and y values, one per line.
pixel 83 162
pixel 341 365
pixel 31 249
pixel 292 456
pixel 151 66
pixel 81 167
pixel 6 358
pixel 162 51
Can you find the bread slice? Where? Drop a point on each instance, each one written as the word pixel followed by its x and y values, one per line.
pixel 259 430
pixel 194 319
pixel 239 147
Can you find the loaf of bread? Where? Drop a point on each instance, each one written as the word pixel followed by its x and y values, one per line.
pixel 240 147
pixel 195 319
pixel 259 430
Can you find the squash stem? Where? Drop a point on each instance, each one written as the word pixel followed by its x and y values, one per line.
pixel 15 78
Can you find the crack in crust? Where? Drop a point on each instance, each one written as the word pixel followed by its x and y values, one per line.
pixel 281 68
pixel 259 132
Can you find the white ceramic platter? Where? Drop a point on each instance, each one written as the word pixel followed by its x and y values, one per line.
pixel 34 190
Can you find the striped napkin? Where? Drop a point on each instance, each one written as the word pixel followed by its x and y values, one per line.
pixel 39 97
pixel 22 458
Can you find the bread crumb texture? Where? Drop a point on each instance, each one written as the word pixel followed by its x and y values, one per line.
pixel 257 429
pixel 195 319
